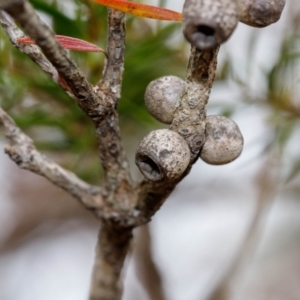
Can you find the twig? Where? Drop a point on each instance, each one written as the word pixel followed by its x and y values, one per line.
pixel 111 81
pixel 23 152
pixel 189 121
pixel 100 107
pixel 88 100
pixel 114 239
pixel 112 248
pixel 32 51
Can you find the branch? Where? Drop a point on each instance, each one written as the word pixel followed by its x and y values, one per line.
pixel 115 163
pixel 112 247
pixel 97 104
pixel 88 100
pixel 114 237
pixel 111 81
pixel 23 152
pixel 32 51
pixel 189 121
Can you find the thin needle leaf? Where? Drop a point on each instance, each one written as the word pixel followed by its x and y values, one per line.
pixel 142 10
pixel 69 43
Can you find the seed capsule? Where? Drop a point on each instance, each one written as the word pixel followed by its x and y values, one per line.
pixel 163 96
pixel 260 13
pixel 162 155
pixel 208 23
pixel 224 141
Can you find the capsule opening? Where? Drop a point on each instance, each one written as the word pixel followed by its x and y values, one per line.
pixel 206 30
pixel 149 168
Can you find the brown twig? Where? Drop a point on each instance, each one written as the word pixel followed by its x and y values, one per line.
pixel 189 121
pixel 23 152
pixel 13 32
pixel 88 100
pixel 112 248
pixel 97 104
pixel 111 81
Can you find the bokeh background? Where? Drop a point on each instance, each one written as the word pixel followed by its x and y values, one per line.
pixel 227 232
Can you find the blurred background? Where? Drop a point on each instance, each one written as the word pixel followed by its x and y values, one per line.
pixel 227 232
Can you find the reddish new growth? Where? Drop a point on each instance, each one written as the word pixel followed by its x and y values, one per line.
pixel 142 10
pixel 68 43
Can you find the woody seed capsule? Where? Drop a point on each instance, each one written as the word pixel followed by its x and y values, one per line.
pixel 162 97
pixel 162 155
pixel 260 13
pixel 223 141
pixel 208 23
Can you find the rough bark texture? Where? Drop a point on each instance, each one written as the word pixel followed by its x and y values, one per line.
pixel 111 251
pixel 189 119
pixel 58 56
pixel 22 151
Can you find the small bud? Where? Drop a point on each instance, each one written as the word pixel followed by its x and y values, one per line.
pixel 224 141
pixel 162 155
pixel 208 23
pixel 260 13
pixel 163 96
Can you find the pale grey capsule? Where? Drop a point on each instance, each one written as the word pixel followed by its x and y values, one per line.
pixel 162 155
pixel 260 13
pixel 163 96
pixel 223 141
pixel 208 23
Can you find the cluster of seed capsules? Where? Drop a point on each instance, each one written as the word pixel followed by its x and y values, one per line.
pixel 208 23
pixel 164 154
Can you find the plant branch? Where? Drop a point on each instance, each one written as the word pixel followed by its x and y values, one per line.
pixel 115 236
pixel 13 32
pixel 23 152
pixel 189 121
pixel 88 100
pixel 111 81
pixel 113 245
pixel 111 151
pixel 97 104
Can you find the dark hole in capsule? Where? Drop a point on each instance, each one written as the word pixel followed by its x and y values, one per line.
pixel 149 167
pixel 206 30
